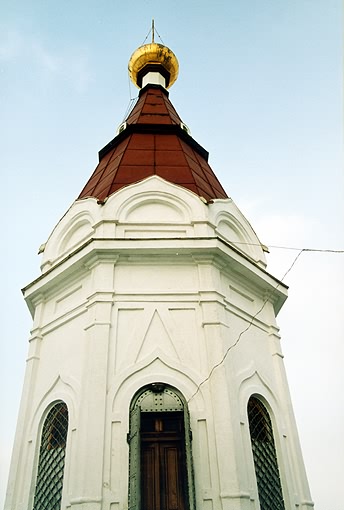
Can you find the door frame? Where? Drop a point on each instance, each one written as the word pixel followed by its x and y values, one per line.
pixel 156 397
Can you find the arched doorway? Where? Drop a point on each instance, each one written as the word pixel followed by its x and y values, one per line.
pixel 160 463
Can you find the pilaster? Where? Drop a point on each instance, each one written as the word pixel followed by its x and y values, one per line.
pixel 88 469
pixel 20 478
pixel 215 329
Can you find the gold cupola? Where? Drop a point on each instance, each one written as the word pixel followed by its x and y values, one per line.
pixel 153 63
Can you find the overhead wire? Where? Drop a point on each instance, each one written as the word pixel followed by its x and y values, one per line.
pixel 132 100
pixel 320 250
pixel 150 32
pixel 159 36
pixel 219 363
pixel 300 251
pixel 129 108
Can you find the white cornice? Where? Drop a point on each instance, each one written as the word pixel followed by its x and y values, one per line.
pixel 149 251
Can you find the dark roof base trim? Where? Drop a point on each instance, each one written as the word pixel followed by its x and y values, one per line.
pixel 154 129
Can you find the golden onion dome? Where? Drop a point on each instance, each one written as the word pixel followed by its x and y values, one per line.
pixel 153 56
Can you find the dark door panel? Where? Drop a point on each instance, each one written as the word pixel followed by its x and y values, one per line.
pixel 163 471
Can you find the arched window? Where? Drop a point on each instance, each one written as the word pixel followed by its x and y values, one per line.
pixel 264 455
pixel 49 483
pixel 160 463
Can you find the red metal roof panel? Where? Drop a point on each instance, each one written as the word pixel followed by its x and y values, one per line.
pixel 153 144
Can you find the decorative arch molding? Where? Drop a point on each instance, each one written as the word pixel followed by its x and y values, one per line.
pixel 75 227
pixel 154 207
pixel 149 200
pixel 148 371
pixel 74 231
pixel 254 383
pixel 235 231
pixel 80 230
pixel 63 388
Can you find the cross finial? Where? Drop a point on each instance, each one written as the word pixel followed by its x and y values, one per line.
pixel 153 30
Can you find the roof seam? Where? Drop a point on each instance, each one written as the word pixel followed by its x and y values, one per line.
pixel 154 143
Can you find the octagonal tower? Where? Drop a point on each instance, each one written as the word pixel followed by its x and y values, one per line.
pixel 155 377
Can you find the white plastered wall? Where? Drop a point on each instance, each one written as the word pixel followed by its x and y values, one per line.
pixel 151 208
pixel 154 285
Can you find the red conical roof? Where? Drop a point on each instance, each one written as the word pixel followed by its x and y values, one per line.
pixel 153 143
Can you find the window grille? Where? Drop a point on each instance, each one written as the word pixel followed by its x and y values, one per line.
pixel 264 455
pixel 48 493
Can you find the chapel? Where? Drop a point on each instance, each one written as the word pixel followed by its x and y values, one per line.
pixel 155 376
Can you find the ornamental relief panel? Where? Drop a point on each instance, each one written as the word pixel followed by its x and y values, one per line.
pixel 168 333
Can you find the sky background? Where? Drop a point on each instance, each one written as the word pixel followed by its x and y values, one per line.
pixel 260 87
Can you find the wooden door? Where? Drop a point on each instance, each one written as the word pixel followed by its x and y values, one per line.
pixel 163 468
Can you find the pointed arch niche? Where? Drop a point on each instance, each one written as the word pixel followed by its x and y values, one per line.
pixel 160 457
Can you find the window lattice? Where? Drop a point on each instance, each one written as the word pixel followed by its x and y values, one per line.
pixel 48 493
pixel 264 455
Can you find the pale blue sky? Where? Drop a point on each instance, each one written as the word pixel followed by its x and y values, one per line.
pixel 260 88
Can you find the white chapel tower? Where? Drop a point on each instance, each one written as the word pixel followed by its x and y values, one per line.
pixel 155 378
